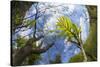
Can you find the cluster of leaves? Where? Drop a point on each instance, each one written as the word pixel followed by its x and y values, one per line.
pixel 30 23
pixel 67 28
pixel 21 41
pixel 18 19
pixel 90 46
pixel 72 32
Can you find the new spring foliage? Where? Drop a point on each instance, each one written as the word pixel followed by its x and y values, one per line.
pixel 68 28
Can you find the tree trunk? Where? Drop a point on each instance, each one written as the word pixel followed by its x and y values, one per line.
pixel 19 7
pixel 27 50
pixel 21 55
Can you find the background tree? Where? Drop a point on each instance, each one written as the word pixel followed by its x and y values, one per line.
pixel 18 12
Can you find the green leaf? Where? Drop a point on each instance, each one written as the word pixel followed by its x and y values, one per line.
pixel 51 31
pixel 68 28
pixel 30 23
pixel 20 41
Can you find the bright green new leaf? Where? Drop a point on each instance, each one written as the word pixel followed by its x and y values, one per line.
pixel 68 28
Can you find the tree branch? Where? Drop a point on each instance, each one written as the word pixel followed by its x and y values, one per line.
pixel 77 44
pixel 28 50
pixel 42 50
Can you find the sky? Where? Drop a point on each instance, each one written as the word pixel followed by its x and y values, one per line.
pixel 49 12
